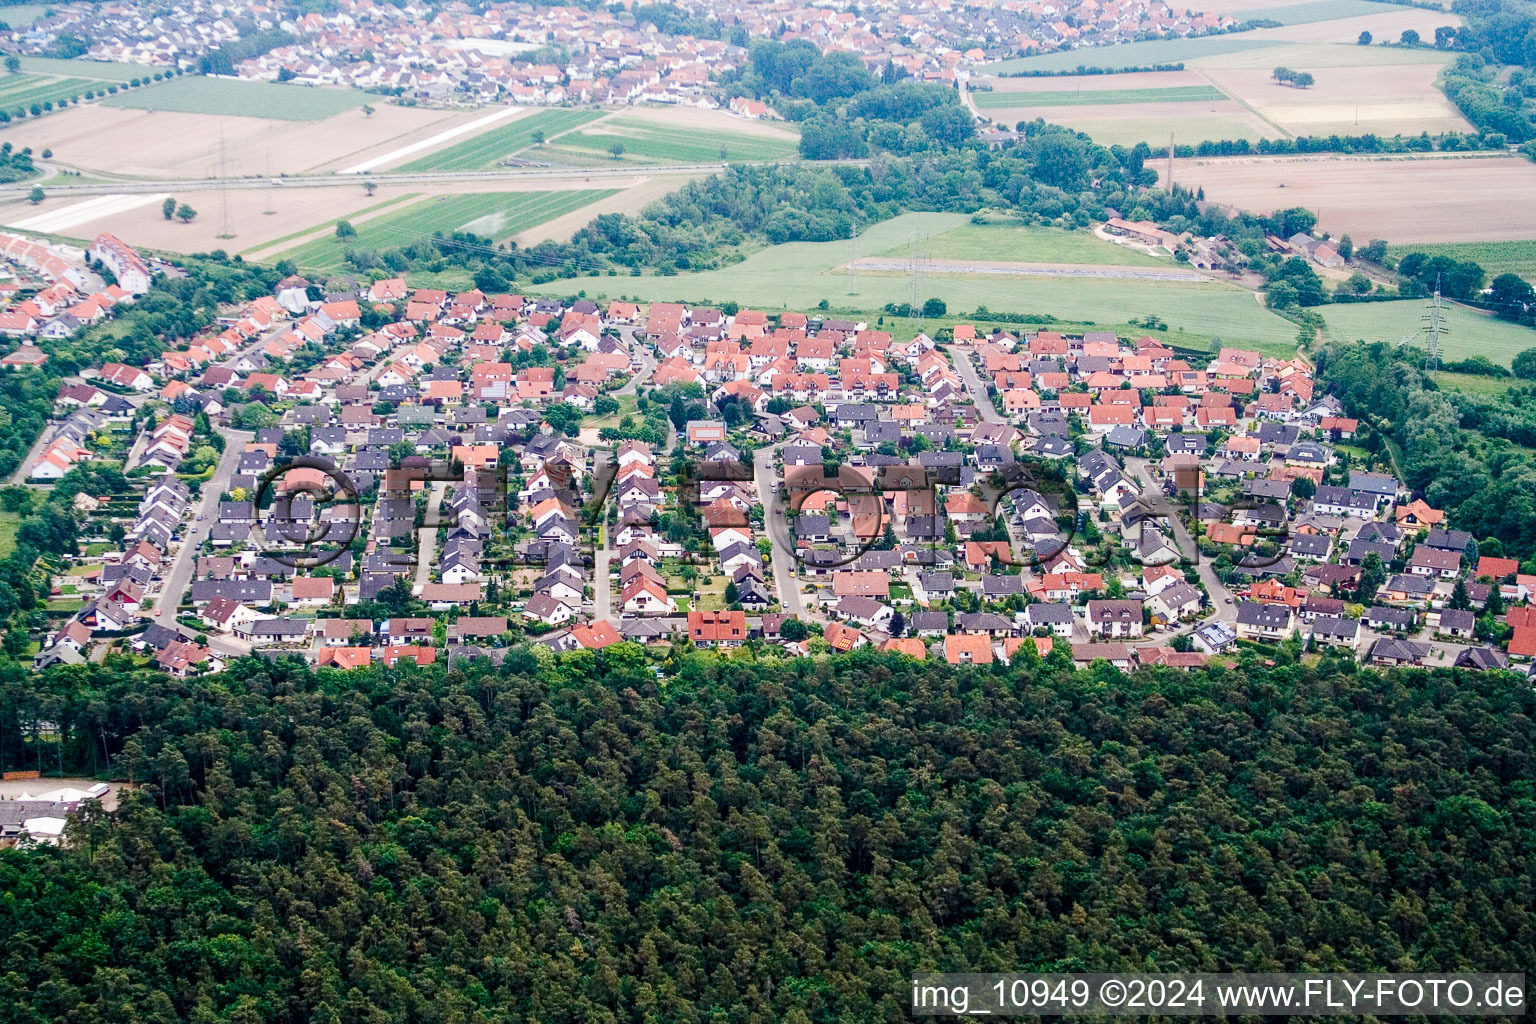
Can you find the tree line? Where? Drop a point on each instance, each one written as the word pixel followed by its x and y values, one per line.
pixel 752 839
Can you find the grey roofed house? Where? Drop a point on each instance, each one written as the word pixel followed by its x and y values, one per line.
pixel 254 592
pixel 1283 566
pixel 237 511
pixel 386 436
pixel 312 414
pixel 937 584
pixel 370 460
pixel 881 560
pixel 1280 434
pixel 1263 616
pixel 1448 540
pixel 1126 437
pixel 1398 651
pixel 1273 490
pixel 1049 424
pixel 858 607
pixel 1335 629
pixel 1359 550
pixel 1309 545
pixel 983 622
pixel 1048 613
pixel 374 583
pixel 281 630
pixel 929 622
pixel 1385 617
pixel 995 585
pixel 1482 658
pixel 230 532
pixel 1329 496
pixel 1181 443
pixel 881 431
pixel 814 526
pixel 1382 488
pixel 1309 452
pixel 1385 533
pixel 855 413
pixel 1413 586
pixel 1052 447
pixel 1460 620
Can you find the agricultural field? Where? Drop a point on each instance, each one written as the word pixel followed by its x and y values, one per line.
pixel 496 214
pixel 20 15
pixel 1384 100
pixel 1427 199
pixel 1470 333
pixel 954 237
pixel 489 148
pixel 193 94
pixel 799 275
pixel 101 70
pixel 1385 90
pixel 1142 54
pixel 99 139
pixel 1097 97
pixel 18 92
pixel 1513 257
pixel 647 138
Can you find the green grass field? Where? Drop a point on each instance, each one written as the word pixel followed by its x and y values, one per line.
pixel 1317 10
pixel 101 70
pixel 496 214
pixel 17 15
pixel 1123 55
pixel 646 142
pixel 1097 97
pixel 19 92
pixel 485 149
pixel 799 275
pixel 1470 334
pixel 965 240
pixel 1494 257
pixel 194 94
pixel 1474 384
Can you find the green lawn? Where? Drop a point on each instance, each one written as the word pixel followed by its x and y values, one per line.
pixel 967 241
pixel 496 214
pixel 19 92
pixel 101 70
pixel 487 148
pixel 1097 97
pixel 799 275
pixel 1470 334
pixel 1142 54
pixel 645 141
pixel 1495 257
pixel 193 94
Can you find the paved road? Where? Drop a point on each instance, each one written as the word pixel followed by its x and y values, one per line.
pixel 207 506
pixel 1221 597
pixel 426 538
pixel 973 384
pixel 777 525
pixel 597 172
pixel 1029 270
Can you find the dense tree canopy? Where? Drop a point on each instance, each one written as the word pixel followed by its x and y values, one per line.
pixel 754 840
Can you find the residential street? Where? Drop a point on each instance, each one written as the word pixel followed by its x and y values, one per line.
pixel 204 512
pixel 776 523
pixel 973 384
pixel 1222 603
